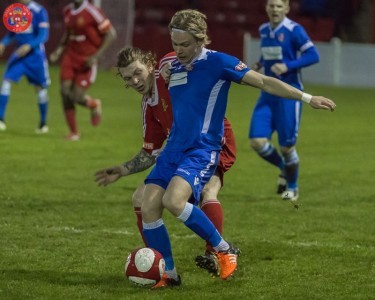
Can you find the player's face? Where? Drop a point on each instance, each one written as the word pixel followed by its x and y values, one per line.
pixel 276 11
pixel 138 76
pixel 185 46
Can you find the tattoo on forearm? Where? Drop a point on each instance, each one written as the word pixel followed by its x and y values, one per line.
pixel 140 162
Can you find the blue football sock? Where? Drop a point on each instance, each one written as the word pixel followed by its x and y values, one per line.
pixel 3 105
pixel 43 106
pixel 292 169
pixel 4 96
pixel 271 155
pixel 197 221
pixel 156 236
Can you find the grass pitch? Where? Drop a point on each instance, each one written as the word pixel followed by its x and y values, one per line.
pixel 62 237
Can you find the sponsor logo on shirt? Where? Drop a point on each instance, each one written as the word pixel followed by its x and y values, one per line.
pixel 178 79
pixel 17 17
pixel 240 66
pixel 148 146
pixel 80 21
pixel 164 104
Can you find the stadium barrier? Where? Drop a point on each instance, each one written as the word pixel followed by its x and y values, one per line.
pixel 341 64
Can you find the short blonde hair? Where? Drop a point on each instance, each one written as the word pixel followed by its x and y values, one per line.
pixel 191 21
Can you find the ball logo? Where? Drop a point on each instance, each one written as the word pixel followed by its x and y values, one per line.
pixel 17 17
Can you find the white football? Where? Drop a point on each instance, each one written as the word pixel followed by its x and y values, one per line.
pixel 144 266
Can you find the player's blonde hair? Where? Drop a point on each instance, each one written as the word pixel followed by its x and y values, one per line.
pixel 191 21
pixel 128 55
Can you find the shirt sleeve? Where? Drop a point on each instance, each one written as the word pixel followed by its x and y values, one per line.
pixel 233 68
pixel 43 29
pixel 309 53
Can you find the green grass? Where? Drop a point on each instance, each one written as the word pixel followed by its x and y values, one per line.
pixel 62 237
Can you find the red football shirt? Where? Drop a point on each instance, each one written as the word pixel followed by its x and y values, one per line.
pixel 85 27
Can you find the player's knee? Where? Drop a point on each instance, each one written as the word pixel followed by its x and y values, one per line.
pixel 290 155
pixel 137 199
pixel 65 92
pixel 5 88
pixel 257 144
pixel 42 96
pixel 173 205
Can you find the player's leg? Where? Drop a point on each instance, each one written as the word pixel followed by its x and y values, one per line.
pixel 211 206
pixel 42 95
pixel 84 79
pixel 4 97
pixel 13 73
pixel 69 110
pixel 261 129
pixel 210 203
pixel 67 75
pixel 156 234
pixel 287 126
pixel 194 170
pixel 38 75
pixel 154 229
pixel 137 200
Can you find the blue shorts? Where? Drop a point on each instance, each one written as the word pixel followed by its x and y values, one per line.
pixel 34 66
pixel 196 166
pixel 272 114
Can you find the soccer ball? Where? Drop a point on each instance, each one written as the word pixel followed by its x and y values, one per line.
pixel 144 266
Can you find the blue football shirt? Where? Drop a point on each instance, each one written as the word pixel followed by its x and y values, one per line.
pixel 284 44
pixel 199 99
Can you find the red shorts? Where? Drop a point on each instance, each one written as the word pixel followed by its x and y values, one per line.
pixel 74 68
pixel 228 152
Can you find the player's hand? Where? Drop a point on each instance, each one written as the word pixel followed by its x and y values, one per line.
pixel 256 67
pixel 109 175
pixel 23 50
pixel 55 55
pixel 2 49
pixel 166 72
pixel 92 60
pixel 279 69
pixel 320 102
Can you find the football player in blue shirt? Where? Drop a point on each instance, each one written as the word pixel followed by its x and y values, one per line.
pixel 28 59
pixel 199 83
pixel 285 49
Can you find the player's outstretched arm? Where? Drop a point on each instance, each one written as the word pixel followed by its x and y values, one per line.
pixel 278 88
pixel 139 163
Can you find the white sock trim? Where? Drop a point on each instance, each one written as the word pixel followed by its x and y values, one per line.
pixel 186 212
pixel 153 225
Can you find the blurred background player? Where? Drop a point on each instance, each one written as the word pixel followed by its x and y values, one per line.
pixel 285 49
pixel 140 71
pixel 88 33
pixel 29 59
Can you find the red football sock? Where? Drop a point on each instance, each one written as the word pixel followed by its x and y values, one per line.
pixel 70 116
pixel 214 211
pixel 138 214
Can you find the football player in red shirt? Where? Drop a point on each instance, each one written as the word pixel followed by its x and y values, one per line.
pixel 88 33
pixel 141 72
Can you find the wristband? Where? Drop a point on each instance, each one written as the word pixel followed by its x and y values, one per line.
pixel 306 97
